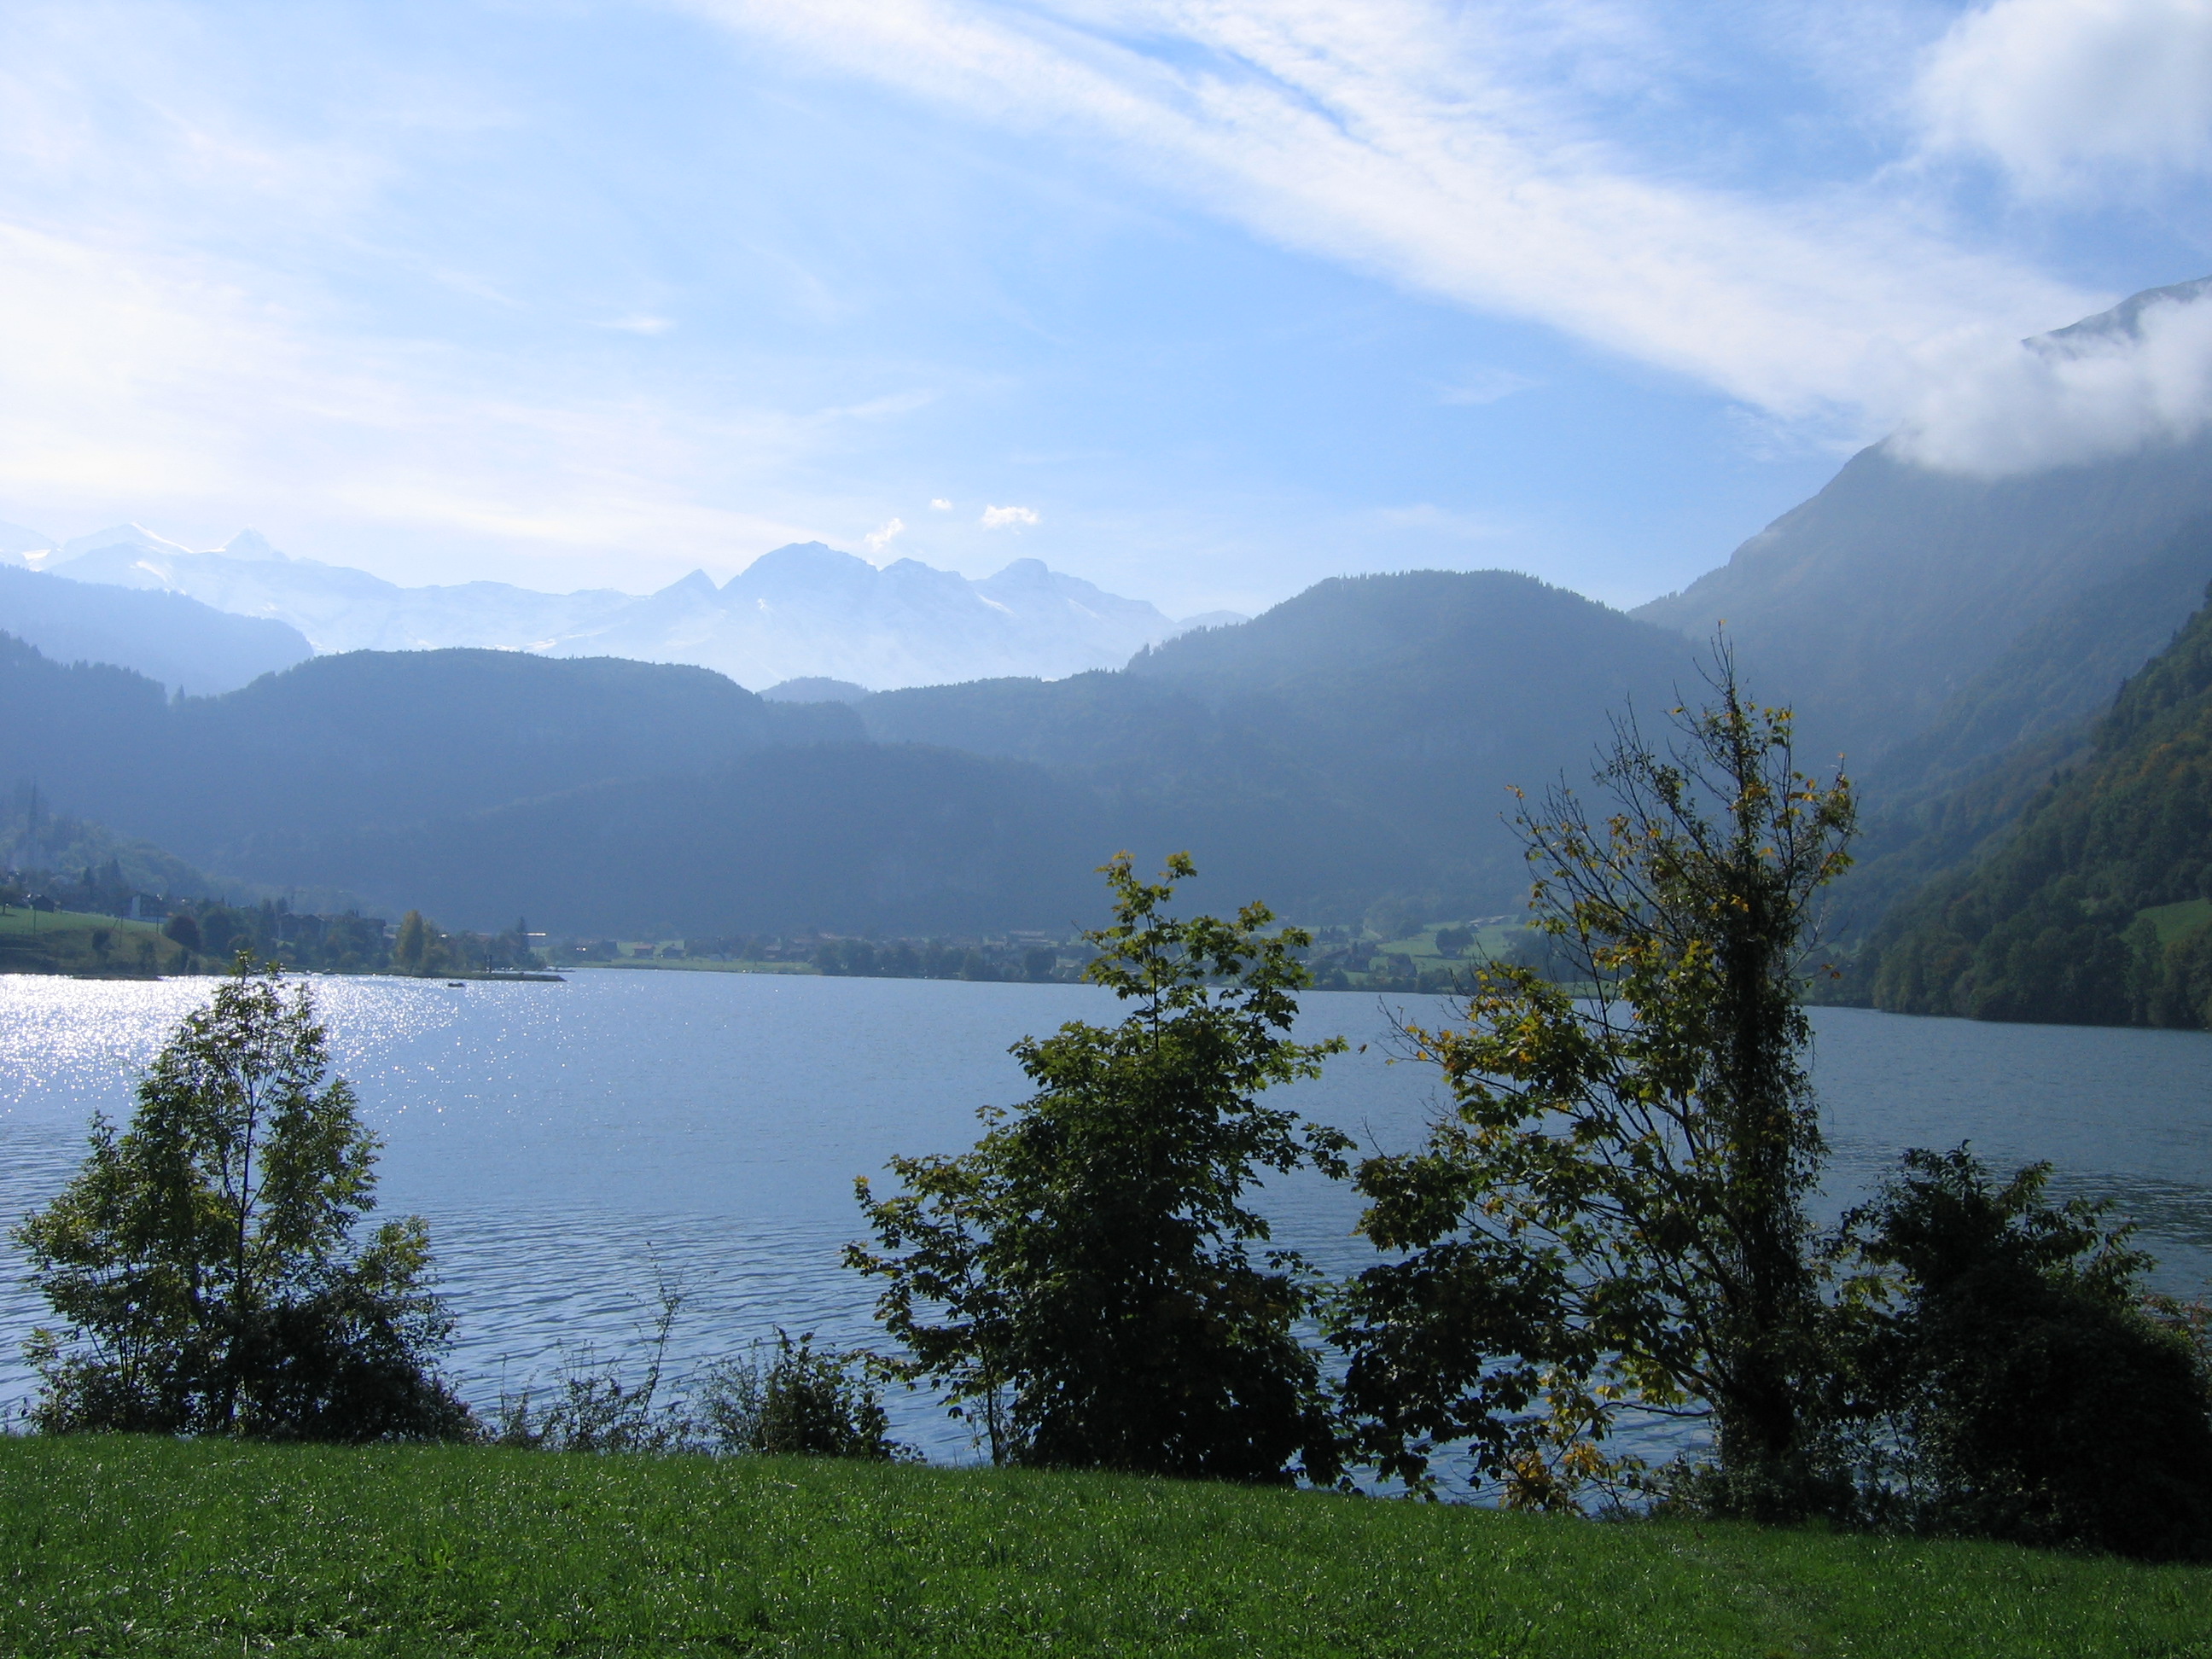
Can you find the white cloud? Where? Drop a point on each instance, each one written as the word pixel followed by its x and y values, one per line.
pixel 1414 138
pixel 939 504
pixel 2064 94
pixel 876 540
pixel 2010 408
pixel 998 518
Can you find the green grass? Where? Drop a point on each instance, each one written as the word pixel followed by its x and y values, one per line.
pixel 19 919
pixel 1490 940
pixel 62 941
pixel 2175 922
pixel 156 1547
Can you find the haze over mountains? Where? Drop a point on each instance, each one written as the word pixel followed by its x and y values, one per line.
pixel 1351 747
pixel 801 611
pixel 1320 755
pixel 179 641
pixel 1877 602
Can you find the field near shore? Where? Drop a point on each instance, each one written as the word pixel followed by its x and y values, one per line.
pixel 127 1546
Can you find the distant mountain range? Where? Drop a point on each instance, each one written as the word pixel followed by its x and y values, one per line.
pixel 1956 639
pixel 802 611
pixel 1353 745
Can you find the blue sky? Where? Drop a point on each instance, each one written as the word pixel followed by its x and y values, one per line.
pixel 1224 297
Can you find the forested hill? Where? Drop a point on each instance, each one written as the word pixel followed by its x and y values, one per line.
pixel 1357 744
pixel 366 740
pixel 1360 735
pixel 2097 908
pixel 1932 801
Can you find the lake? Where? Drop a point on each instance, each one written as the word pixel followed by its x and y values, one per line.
pixel 569 1142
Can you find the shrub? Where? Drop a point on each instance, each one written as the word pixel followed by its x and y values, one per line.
pixel 2010 1379
pixel 796 1401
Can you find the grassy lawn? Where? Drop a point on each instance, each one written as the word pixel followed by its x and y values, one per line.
pixel 66 941
pixel 2175 922
pixel 1490 940
pixel 156 1546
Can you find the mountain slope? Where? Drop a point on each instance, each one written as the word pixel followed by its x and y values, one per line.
pixel 845 838
pixel 166 636
pixel 1873 605
pixel 2097 907
pixel 337 608
pixel 1939 798
pixel 1383 717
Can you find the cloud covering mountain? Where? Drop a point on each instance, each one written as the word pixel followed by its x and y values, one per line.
pixel 802 611
pixel 2138 374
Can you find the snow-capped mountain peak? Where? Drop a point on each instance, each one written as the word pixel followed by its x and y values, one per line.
pixel 804 610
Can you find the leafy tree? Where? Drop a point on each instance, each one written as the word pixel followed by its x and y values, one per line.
pixel 1082 1279
pixel 204 1261
pixel 415 944
pixel 2010 1380
pixel 1613 1211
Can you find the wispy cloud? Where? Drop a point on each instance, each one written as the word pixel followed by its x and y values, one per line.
pixel 1398 138
pixel 876 540
pixel 1428 517
pixel 170 384
pixel 998 517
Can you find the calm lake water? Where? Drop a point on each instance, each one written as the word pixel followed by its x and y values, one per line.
pixel 567 1142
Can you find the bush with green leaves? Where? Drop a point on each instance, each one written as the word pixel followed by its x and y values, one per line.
pixel 793 1400
pixel 2010 1379
pixel 206 1265
pixel 1082 1283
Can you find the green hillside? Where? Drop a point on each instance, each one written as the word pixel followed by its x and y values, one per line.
pixel 214 1547
pixel 74 942
pixel 2092 908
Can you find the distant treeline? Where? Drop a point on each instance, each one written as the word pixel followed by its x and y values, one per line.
pixel 347 943
pixel 209 933
pixel 1338 963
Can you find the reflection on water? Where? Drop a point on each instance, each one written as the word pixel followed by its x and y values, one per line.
pixel 569 1142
